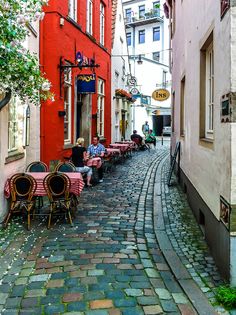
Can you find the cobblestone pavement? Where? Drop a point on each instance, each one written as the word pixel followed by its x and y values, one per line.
pixel 135 248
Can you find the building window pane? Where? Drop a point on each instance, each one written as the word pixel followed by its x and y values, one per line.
pixel 89 24
pixel 156 8
pixel 128 15
pixel 209 91
pixel 141 11
pixel 102 23
pixel 182 107
pixel 100 106
pixel 67 106
pixel 156 33
pixel 128 36
pixel 16 115
pixel 156 56
pixel 73 9
pixel 141 38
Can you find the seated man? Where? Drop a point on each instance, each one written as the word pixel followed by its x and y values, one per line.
pixel 136 138
pixel 150 138
pixel 97 149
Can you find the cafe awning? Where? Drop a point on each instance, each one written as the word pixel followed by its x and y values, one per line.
pixel 125 94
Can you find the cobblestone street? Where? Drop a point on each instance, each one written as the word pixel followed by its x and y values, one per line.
pixel 135 248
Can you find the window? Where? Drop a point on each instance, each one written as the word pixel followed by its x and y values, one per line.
pixel 141 11
pixel 164 81
pixel 225 4
pixel 73 9
pixel 173 112
pixel 141 36
pixel 182 107
pixel 15 124
pixel 207 89
pixel 156 8
pixel 128 15
pixel 102 23
pixel 156 56
pixel 128 37
pixel 156 33
pixel 89 24
pixel 101 101
pixel 67 105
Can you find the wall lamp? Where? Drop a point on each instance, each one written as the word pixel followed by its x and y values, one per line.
pixel 139 60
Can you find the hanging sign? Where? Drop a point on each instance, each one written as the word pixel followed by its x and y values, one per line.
pixel 161 95
pixel 86 83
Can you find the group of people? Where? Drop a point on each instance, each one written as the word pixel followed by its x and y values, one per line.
pixel 148 134
pixel 80 155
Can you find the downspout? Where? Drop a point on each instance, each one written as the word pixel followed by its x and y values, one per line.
pixel 6 99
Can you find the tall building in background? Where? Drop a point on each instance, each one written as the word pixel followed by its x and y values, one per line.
pixel 75 54
pixel 148 42
pixel 204 118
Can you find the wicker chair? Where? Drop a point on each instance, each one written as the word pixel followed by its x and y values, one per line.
pixel 37 166
pixel 22 189
pixel 65 167
pixel 57 186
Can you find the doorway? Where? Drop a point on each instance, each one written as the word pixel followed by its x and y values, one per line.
pixel 83 117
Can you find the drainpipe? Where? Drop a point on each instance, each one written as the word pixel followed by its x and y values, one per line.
pixel 6 99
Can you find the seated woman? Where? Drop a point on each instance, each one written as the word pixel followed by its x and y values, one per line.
pixel 79 155
pixel 150 138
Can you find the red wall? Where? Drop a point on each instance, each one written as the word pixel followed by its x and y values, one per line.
pixel 62 41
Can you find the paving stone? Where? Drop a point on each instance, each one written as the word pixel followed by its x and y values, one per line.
pixel 152 273
pixel 54 309
pixel 35 293
pixel 152 310
pixel 96 272
pixel 3 298
pixel 76 306
pixel 55 283
pixel 12 303
pixel 125 302
pixel 71 297
pixel 100 304
pixel 179 298
pixel 134 292
pixel 42 277
pixel 163 294
pixel 29 302
pixel 169 306
pixel 132 311
pixel 147 300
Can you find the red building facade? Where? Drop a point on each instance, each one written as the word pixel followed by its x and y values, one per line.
pixel 75 55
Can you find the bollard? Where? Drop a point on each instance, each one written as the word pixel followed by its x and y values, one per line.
pixel 162 140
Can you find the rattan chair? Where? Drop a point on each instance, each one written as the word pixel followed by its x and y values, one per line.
pixel 22 188
pixel 65 167
pixel 57 186
pixel 37 166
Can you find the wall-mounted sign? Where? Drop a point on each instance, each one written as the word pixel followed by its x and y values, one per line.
pixel 134 91
pixel 82 60
pixel 160 95
pixel 224 211
pixel 86 83
pixel 132 81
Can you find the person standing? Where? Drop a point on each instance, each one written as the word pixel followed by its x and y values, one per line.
pixel 78 156
pixel 96 149
pixel 145 128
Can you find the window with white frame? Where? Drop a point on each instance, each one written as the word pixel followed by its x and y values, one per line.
pixel 89 23
pixel 72 12
pixel 15 124
pixel 209 91
pixel 100 105
pixel 67 105
pixel 102 23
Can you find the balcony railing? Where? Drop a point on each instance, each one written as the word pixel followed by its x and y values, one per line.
pixel 148 15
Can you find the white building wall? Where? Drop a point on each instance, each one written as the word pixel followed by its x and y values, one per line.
pixel 30 153
pixel 120 70
pixel 150 74
pixel 208 169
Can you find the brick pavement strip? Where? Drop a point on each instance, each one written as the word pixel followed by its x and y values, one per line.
pixel 110 262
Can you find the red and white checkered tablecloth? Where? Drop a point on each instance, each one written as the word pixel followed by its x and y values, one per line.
pixel 113 151
pixel 122 146
pixel 95 161
pixel 77 184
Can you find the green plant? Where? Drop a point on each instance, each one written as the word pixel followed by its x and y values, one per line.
pixel 226 296
pixel 19 68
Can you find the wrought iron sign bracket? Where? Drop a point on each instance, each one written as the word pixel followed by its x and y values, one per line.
pixel 92 65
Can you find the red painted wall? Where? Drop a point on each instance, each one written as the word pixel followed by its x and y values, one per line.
pixel 62 41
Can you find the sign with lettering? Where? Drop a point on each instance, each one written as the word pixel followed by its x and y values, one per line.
pixel 86 83
pixel 82 60
pixel 161 95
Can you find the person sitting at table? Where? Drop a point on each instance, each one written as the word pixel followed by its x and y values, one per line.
pixel 136 138
pixel 79 155
pixel 150 138
pixel 96 149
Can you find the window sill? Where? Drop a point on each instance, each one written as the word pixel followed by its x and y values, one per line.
pixel 67 146
pixel 70 20
pixel 207 143
pixel 91 36
pixel 14 157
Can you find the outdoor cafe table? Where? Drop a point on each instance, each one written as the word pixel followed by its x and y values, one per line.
pixel 76 179
pixel 122 146
pixel 113 151
pixel 95 161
